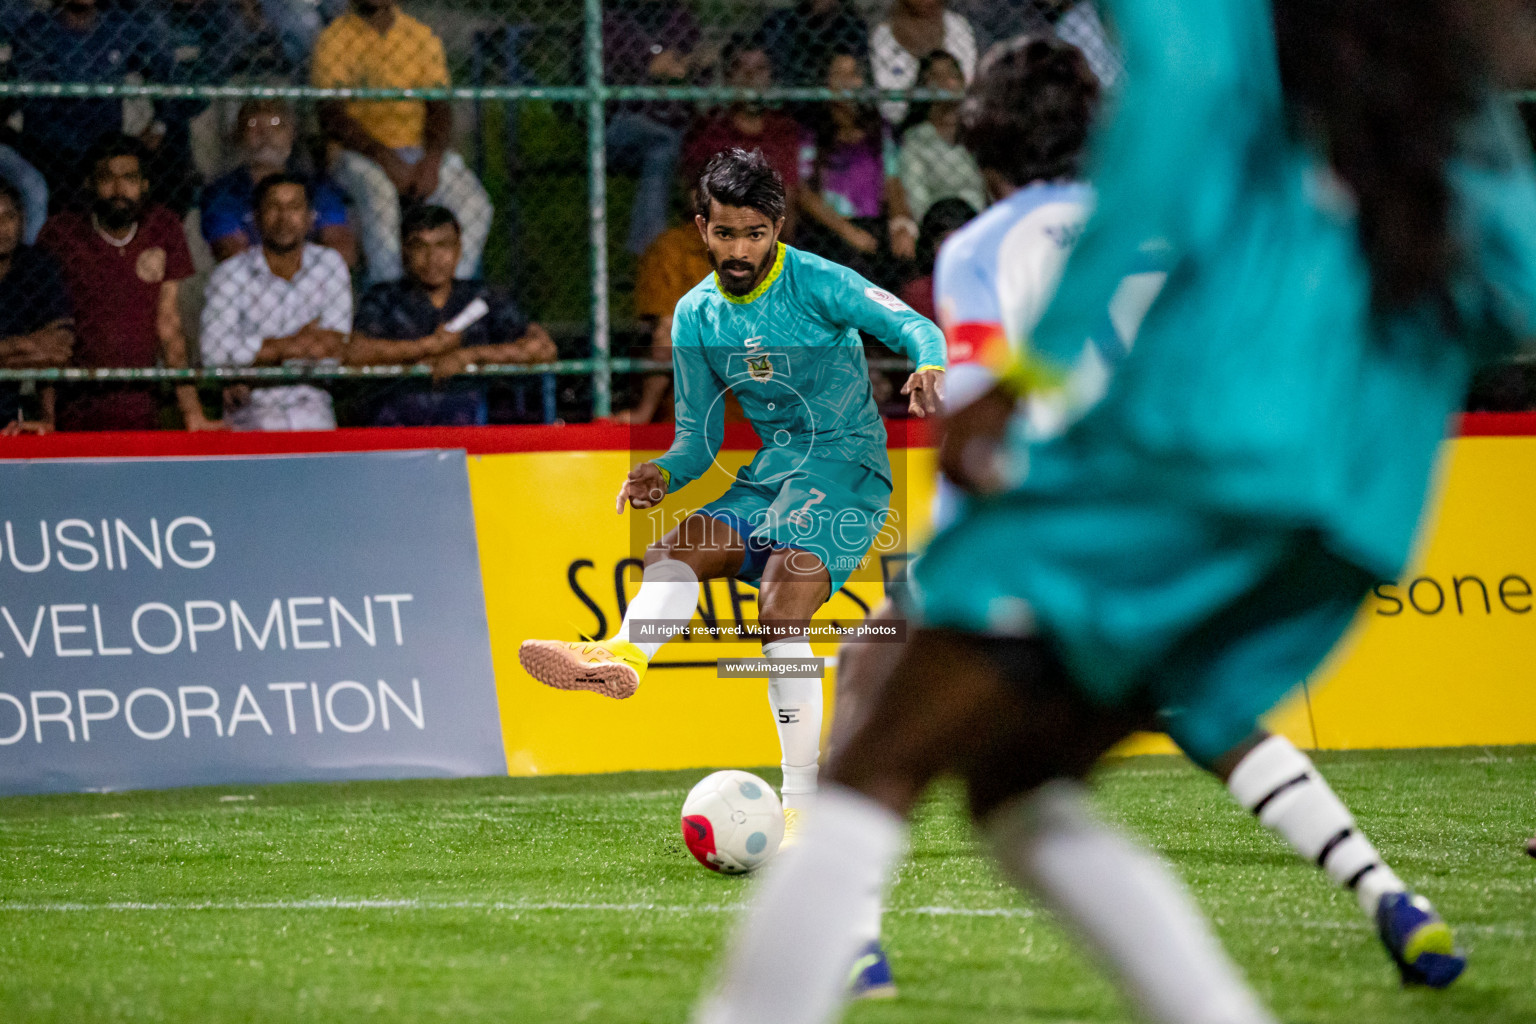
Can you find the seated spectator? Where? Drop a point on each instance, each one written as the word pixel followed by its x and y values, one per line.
pixel 430 316
pixel 933 165
pixel 31 186
pixel 210 42
pixel 265 131
pixel 746 124
pixel 854 204
pixel 287 302
pixel 122 260
pixel 395 149
pixel 801 39
pixel 668 270
pixel 80 42
pixel 916 28
pixel 943 219
pixel 648 42
pixel 36 326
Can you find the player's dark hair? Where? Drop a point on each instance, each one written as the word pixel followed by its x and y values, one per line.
pixel 942 219
pixel 111 146
pixel 737 177
pixel 11 192
pixel 266 185
pixel 1383 86
pixel 426 217
pixel 1028 112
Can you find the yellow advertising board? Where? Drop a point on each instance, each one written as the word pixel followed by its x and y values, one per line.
pixel 1441 658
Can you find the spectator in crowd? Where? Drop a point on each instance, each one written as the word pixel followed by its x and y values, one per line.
pixel 36 325
pixel 746 124
pixel 668 270
pixel 210 41
pixel 943 219
pixel 31 186
pixel 265 132
pixel 648 42
pixel 395 149
pixel 854 204
pixel 287 302
pixel 801 39
pixel 80 42
pixel 123 259
pixel 933 165
pixel 295 24
pixel 916 28
pixel 431 316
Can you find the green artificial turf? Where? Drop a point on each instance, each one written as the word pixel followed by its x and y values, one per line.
pixel 572 899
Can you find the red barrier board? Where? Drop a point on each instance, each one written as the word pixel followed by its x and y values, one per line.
pixel 494 440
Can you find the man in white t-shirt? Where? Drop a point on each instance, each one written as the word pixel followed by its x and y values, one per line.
pixel 288 302
pixel 916 28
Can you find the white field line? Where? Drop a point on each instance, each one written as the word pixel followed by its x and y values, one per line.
pixel 559 906
pixel 517 906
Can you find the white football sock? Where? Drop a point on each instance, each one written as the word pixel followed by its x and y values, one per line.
pixel 1283 788
pixel 797 706
pixel 1127 906
pixel 790 955
pixel 669 593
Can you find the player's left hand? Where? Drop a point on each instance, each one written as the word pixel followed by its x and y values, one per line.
pixel 926 388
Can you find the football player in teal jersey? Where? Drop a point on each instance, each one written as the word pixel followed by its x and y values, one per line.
pixel 1350 219
pixel 994 278
pixel 779 328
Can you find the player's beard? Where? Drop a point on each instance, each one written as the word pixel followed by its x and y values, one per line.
pixel 739 285
pixel 116 214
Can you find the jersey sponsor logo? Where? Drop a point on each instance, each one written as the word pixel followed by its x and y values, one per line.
pixel 1065 235
pixel 754 344
pixel 886 299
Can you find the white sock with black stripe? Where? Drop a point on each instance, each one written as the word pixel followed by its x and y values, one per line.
pixel 1284 789
pixel 797 711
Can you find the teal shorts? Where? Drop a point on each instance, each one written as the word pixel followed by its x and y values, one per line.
pixel 1213 622
pixel 834 510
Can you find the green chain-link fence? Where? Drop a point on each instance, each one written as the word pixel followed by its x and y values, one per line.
pixel 487 216
pixel 293 213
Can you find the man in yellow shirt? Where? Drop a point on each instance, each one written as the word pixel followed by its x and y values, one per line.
pixel 395 149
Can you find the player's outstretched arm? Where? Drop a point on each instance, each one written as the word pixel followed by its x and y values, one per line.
pixel 645 486
pixel 852 301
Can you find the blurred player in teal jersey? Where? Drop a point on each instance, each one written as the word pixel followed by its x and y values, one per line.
pixel 1026 122
pixel 1350 223
pixel 779 328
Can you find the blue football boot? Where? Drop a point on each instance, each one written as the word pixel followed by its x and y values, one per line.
pixel 870 977
pixel 1419 940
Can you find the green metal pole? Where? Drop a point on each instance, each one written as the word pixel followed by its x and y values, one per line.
pixel 597 198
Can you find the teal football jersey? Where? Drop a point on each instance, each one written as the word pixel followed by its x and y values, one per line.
pixel 1259 384
pixel 790 351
